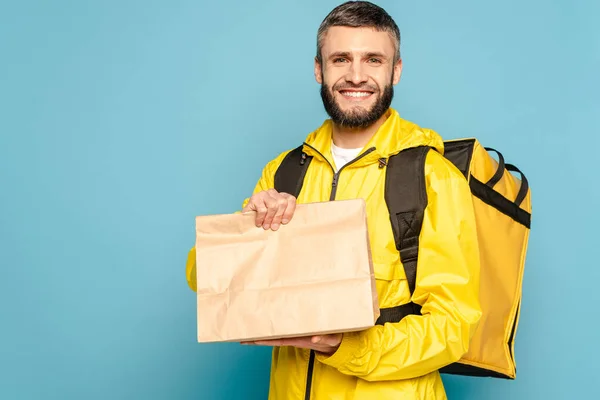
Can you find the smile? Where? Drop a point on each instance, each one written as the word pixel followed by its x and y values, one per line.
pixel 353 94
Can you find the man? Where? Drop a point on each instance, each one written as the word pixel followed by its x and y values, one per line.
pixel 357 64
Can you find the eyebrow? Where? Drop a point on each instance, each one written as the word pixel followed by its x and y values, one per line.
pixel 364 55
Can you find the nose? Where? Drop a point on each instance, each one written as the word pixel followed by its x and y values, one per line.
pixel 356 73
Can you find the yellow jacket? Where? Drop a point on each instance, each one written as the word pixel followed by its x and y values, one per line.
pixel 397 360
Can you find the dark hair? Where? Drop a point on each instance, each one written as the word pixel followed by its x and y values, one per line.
pixel 357 14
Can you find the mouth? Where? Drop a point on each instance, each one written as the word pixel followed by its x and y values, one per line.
pixel 356 95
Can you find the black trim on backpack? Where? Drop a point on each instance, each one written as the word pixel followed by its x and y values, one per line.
pixel 499 202
pixel 469 370
pixel 289 177
pixel 513 330
pixel 460 153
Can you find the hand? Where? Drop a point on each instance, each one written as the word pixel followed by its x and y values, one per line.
pixel 272 208
pixel 327 344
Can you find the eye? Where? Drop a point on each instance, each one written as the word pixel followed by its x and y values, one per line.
pixel 339 60
pixel 374 60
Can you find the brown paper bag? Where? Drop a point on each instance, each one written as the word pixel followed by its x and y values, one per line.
pixel 312 276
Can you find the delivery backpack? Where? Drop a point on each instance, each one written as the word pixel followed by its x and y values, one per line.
pixel 502 205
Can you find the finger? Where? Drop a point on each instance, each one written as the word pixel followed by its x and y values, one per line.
pixel 261 210
pixel 282 204
pixel 331 340
pixel 302 342
pixel 269 342
pixel 272 207
pixel 289 210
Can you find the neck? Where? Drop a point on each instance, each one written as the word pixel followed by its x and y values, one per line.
pixel 354 138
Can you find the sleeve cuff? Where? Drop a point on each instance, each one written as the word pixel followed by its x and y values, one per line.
pixel 346 352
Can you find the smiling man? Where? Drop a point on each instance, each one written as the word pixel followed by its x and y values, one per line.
pixel 357 65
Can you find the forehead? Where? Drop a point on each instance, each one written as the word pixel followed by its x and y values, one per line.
pixel 347 39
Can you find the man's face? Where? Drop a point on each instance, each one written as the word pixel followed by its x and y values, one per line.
pixel 357 75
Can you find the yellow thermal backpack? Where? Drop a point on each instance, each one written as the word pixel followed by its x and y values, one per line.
pixel 502 204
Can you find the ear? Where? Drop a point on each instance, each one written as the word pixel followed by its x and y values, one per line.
pixel 397 71
pixel 318 72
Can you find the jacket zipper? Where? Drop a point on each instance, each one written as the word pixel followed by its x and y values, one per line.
pixel 334 185
pixel 336 175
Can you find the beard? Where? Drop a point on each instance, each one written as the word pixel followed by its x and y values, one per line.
pixel 357 117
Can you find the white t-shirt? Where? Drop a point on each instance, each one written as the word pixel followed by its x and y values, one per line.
pixel 343 156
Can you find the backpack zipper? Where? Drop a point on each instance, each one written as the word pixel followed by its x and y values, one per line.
pixel 334 185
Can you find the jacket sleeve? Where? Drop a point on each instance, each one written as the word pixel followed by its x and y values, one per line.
pixel 265 182
pixel 447 288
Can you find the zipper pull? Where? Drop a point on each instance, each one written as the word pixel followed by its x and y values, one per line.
pixel 335 179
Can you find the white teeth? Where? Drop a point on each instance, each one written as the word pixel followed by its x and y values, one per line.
pixel 356 94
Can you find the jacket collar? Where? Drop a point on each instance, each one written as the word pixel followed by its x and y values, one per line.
pixel 393 136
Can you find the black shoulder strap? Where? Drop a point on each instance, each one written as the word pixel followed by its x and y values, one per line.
pixel 406 199
pixel 289 176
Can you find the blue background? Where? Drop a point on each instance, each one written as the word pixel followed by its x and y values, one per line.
pixel 122 120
